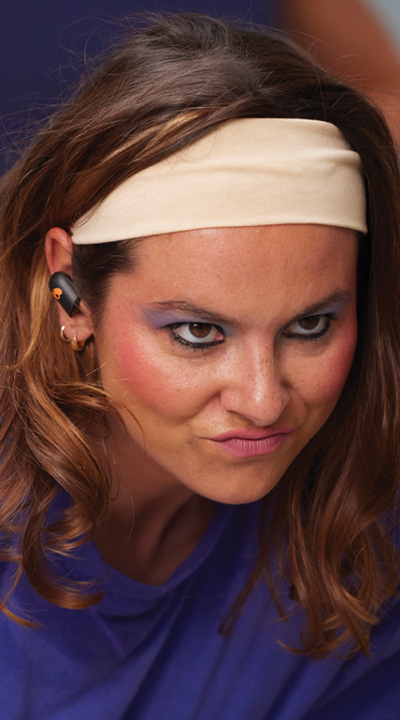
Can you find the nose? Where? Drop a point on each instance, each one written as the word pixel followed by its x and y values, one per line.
pixel 254 388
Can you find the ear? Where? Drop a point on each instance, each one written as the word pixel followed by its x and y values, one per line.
pixel 58 249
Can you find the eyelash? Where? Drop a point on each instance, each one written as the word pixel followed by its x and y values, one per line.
pixel 322 335
pixel 193 346
pixel 330 317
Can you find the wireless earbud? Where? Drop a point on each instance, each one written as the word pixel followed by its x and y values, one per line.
pixel 64 292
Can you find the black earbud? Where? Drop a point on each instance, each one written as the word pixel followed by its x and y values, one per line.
pixel 63 290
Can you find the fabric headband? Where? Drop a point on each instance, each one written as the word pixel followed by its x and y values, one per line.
pixel 247 172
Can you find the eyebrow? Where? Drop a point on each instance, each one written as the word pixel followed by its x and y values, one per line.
pixel 339 296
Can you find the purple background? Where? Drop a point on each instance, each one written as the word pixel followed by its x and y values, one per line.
pixel 42 49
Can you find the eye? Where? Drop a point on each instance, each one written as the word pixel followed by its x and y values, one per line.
pixel 310 328
pixel 197 334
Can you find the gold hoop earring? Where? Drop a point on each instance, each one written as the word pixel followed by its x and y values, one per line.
pixel 62 336
pixel 77 345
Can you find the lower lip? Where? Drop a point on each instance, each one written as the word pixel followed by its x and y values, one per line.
pixel 238 447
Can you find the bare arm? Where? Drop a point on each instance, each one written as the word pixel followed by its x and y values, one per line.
pixel 345 37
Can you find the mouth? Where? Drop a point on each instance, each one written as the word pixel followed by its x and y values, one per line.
pixel 251 443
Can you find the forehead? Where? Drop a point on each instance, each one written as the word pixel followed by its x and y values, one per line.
pixel 248 252
pixel 243 269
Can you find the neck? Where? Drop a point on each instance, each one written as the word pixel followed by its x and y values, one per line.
pixel 154 521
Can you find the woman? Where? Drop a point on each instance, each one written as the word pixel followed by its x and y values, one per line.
pixel 200 468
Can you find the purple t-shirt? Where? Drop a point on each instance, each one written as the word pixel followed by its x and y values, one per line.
pixel 155 653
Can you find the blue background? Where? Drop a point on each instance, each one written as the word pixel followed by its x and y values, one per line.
pixel 43 46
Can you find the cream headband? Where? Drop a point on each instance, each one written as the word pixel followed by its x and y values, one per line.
pixel 253 171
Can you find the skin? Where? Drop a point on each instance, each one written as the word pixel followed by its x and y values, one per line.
pixel 172 399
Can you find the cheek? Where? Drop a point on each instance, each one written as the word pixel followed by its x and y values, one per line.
pixel 329 372
pixel 140 375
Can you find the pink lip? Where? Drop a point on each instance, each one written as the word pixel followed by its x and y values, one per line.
pixel 250 443
pixel 251 434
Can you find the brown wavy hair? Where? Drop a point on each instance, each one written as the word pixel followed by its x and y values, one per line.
pixel 331 537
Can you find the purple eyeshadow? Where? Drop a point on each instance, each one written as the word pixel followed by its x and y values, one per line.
pixel 160 318
pixel 335 308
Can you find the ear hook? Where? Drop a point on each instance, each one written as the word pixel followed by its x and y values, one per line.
pixel 64 292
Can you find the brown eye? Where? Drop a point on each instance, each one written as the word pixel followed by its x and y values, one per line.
pixel 310 323
pixel 198 333
pixel 308 327
pixel 200 330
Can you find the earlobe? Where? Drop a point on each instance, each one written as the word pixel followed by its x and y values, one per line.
pixel 77 329
pixel 76 345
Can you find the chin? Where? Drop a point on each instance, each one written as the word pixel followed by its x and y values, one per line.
pixel 239 493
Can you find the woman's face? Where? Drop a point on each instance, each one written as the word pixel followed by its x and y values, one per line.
pixel 230 347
